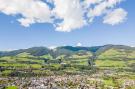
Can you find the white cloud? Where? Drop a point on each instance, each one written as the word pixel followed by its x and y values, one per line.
pixel 26 21
pixel 101 8
pixel 52 47
pixel 71 12
pixel 32 11
pixel 115 17
pixel 49 1
pixel 78 44
pixel 88 3
pixel 67 15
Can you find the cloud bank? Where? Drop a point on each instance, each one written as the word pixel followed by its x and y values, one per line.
pixel 65 15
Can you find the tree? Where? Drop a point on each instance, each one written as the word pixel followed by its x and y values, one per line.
pixel 91 59
pixel 1 68
pixel 60 60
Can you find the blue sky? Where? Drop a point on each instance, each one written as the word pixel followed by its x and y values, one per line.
pixel 15 36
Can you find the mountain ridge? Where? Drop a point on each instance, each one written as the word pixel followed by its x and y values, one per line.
pixel 39 51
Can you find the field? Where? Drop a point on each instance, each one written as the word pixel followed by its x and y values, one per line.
pixel 109 70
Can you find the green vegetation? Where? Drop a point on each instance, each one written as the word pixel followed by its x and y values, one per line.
pixel 11 87
pixel 113 65
pixel 110 63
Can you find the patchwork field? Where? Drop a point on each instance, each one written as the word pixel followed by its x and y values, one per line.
pixel 110 69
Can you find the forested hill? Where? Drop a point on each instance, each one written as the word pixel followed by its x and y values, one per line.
pixel 64 50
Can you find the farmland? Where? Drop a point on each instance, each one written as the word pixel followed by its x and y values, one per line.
pixel 113 67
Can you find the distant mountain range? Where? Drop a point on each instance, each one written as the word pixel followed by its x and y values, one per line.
pixel 64 50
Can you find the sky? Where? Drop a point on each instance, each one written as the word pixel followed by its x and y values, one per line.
pixel 51 23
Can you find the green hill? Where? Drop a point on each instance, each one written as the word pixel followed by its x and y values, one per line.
pixel 67 59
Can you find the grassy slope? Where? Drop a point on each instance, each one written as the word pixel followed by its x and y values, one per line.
pixel 120 60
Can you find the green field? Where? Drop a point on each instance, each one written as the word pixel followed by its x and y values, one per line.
pixel 113 67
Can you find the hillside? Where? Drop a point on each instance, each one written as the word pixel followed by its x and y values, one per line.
pixel 104 56
pixel 108 63
pixel 39 51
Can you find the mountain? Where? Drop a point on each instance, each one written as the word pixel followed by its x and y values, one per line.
pixel 78 48
pixel 109 46
pixel 35 51
pixel 65 50
pixel 69 58
pixel 39 51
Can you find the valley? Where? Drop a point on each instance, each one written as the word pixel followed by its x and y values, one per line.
pixel 67 67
